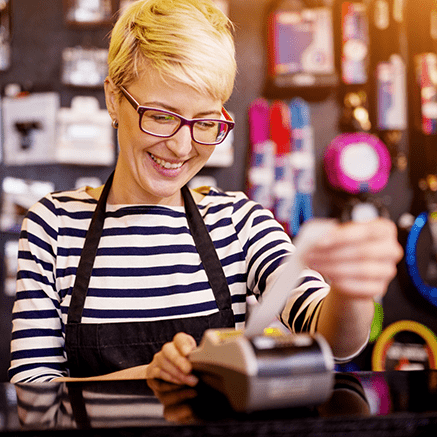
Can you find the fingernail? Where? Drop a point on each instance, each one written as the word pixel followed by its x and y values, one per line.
pixel 192 380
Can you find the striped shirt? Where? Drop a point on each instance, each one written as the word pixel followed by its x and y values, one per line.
pixel 147 268
pixel 48 406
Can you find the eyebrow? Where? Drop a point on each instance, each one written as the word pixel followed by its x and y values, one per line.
pixel 159 105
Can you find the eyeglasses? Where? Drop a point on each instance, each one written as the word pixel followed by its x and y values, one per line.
pixel 165 124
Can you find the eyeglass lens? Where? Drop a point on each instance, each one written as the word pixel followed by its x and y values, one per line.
pixel 165 124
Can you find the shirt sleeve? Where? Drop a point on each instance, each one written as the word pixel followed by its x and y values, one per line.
pixel 266 245
pixel 37 345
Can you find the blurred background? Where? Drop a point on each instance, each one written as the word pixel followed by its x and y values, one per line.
pixel 335 106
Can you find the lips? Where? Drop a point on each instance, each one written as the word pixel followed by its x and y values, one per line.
pixel 165 164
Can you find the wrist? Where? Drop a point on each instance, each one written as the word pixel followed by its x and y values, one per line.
pixel 348 298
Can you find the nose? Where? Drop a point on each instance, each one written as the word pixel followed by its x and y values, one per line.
pixel 181 142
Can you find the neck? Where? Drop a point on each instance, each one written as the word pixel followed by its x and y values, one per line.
pixel 126 191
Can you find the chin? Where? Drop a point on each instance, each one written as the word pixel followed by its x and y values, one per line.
pixel 167 195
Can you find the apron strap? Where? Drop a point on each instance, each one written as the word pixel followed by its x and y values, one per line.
pixel 87 257
pixel 77 402
pixel 207 252
pixel 199 232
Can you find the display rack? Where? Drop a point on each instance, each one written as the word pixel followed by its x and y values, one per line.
pixel 39 37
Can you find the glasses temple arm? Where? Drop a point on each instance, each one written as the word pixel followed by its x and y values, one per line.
pixel 227 115
pixel 129 97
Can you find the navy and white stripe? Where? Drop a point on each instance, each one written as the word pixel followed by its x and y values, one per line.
pixel 60 406
pixel 147 268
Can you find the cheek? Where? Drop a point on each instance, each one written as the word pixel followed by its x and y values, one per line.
pixel 205 152
pixel 129 133
pixel 132 140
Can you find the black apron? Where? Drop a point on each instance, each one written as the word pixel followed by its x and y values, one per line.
pixel 97 349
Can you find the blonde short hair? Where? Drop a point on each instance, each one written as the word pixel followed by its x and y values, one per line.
pixel 190 41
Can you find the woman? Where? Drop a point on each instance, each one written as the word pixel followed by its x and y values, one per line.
pixel 122 281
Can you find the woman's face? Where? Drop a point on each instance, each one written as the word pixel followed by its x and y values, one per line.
pixel 149 169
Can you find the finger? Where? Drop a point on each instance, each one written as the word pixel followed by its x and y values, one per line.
pixel 169 373
pixel 184 343
pixel 163 367
pixel 362 271
pixel 390 252
pixel 170 361
pixel 173 355
pixel 354 232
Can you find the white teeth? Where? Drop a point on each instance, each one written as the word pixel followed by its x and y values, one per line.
pixel 166 164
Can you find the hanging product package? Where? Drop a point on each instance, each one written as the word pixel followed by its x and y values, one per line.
pixel 283 187
pixel 352 60
pixel 29 125
pixel 301 48
pixel 261 170
pixel 302 163
pixel 388 96
pixel 85 134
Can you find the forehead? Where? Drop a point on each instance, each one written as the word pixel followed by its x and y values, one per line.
pixel 153 87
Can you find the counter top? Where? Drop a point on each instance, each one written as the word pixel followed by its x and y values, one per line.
pixel 362 404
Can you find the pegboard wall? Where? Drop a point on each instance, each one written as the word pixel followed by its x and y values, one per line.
pixel 39 36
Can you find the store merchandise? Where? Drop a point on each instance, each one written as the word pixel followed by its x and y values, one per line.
pixel 300 47
pixel 261 168
pixel 388 98
pixel 302 162
pixel 284 192
pixel 85 135
pixel 18 196
pixel 29 125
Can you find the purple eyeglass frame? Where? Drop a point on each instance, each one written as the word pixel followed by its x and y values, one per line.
pixel 184 121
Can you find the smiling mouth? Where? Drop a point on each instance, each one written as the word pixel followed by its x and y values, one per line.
pixel 166 164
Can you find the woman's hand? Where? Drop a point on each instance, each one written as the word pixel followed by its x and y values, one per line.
pixel 171 363
pixel 359 259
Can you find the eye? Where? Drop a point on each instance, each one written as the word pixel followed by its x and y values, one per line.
pixel 206 124
pixel 160 117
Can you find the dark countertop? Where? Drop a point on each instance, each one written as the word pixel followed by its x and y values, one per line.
pixel 362 404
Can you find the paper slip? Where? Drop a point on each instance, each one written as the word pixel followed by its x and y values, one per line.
pixel 274 301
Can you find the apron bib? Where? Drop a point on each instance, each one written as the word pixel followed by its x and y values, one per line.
pixel 100 348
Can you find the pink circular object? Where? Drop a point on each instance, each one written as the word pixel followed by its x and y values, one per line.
pixel 357 163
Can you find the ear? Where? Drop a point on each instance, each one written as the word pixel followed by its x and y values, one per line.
pixel 112 98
